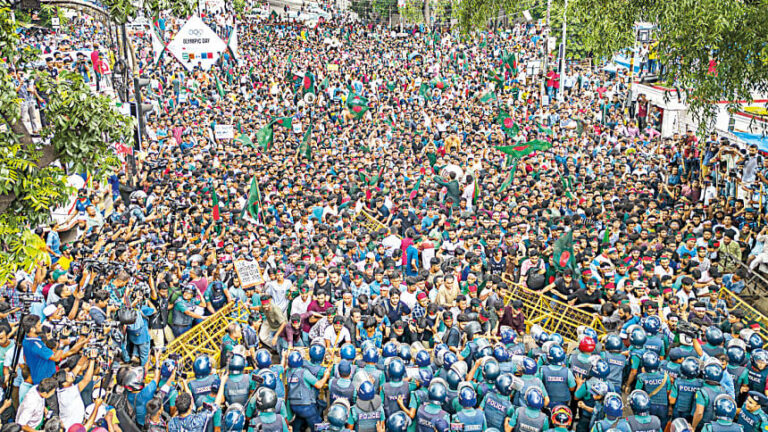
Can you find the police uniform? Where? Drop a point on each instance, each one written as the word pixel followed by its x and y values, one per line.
pixel 365 415
pixel 528 420
pixel 644 423
pixel 684 391
pixel 427 416
pixel 617 364
pixel 392 391
pixel 200 387
pixel 268 422
pixel 341 388
pixel 557 380
pixel 472 420
pixel 657 385
pixel 496 408
pixel 236 389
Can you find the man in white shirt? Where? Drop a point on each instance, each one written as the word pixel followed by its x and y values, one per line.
pixel 300 304
pixel 32 409
pixel 336 335
pixel 71 406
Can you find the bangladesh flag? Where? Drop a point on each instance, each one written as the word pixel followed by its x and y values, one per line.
pixel 357 105
pixel 476 193
pixel 439 84
pixel 304 148
pixel 219 88
pixel 215 199
pixel 495 77
pixel 563 252
pixel 245 140
pixel 510 178
pixel 264 136
pixel 415 189
pixel 545 131
pixel 253 206
pixel 509 64
pixel 488 97
pixel 324 84
pixel 308 84
pixel 508 125
pixel 286 122
pixel 520 150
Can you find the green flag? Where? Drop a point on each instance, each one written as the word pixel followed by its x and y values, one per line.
pixel 439 84
pixel 508 125
pixel 215 204
pixel 509 64
pixel 545 131
pixel 286 122
pixel 476 193
pixel 304 149
pixel 253 206
pixel 563 252
pixel 495 77
pixel 424 90
pixel 488 97
pixel 510 177
pixel 520 150
pixel 324 84
pixel 244 139
pixel 219 88
pixel 357 105
pixel 264 136
pixel 308 83
pixel 391 85
pixel 415 189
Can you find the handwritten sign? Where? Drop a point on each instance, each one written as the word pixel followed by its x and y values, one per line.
pixel 249 273
pixel 224 131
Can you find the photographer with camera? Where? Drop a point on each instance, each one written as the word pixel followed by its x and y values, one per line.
pixel 39 357
pixel 69 393
pixel 137 341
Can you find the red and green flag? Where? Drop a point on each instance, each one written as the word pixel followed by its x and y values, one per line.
pixel 495 77
pixel 545 131
pixel 304 149
pixel 510 177
pixel 507 124
pixel 357 105
pixel 424 90
pixel 286 122
pixel 219 88
pixel 265 136
pixel 488 97
pixel 509 64
pixel 521 150
pixel 476 192
pixel 415 189
pixel 216 209
pixel 563 252
pixel 308 83
pixel 253 205
pixel 439 84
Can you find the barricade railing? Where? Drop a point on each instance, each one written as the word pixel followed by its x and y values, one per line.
pixel 552 315
pixel 205 337
pixel 751 315
pixel 371 223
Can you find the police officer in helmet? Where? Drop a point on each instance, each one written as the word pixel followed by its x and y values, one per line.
pixel 725 411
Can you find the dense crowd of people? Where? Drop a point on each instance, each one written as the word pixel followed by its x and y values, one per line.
pixel 385 186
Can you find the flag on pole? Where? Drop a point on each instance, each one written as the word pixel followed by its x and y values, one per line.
pixel 215 199
pixel 439 84
pixel 424 90
pixel 476 192
pixel 308 83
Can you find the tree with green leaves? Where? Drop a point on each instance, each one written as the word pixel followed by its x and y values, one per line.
pixel 79 134
pixel 712 50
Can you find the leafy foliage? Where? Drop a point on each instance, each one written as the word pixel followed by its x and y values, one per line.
pixel 81 128
pixel 122 11
pixel 691 35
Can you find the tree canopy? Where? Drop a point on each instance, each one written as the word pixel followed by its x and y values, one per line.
pixel 77 138
pixel 713 50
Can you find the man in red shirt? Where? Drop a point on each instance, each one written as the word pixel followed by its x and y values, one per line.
pixel 96 60
pixel 553 84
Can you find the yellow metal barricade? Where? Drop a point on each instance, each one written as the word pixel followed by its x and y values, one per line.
pixel 205 338
pixel 371 223
pixel 750 313
pixel 552 315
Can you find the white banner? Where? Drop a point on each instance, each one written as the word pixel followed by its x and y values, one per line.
pixel 157 45
pixel 224 131
pixel 232 44
pixel 196 44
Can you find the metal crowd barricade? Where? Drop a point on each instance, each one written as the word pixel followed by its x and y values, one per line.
pixel 205 337
pixel 750 313
pixel 552 315
pixel 371 223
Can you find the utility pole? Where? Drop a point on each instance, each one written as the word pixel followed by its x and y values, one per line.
pixel 560 92
pixel 545 67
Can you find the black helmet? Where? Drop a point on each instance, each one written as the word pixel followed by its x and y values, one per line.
pixel 266 399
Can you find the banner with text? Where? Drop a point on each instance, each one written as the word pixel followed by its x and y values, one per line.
pixel 196 44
